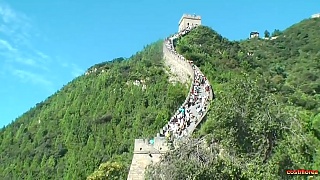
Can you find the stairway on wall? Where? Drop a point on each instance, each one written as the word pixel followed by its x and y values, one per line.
pixel 146 154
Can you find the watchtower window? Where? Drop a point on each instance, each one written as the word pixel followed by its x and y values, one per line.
pixel 188 24
pixel 140 149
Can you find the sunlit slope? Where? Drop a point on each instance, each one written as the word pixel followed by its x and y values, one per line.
pixel 92 119
pixel 265 118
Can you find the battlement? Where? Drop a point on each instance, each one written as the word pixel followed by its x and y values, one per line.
pixel 142 146
pixel 189 16
pixel 145 154
pixel 188 20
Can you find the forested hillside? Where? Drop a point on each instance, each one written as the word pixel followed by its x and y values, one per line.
pixel 292 63
pixel 93 119
pixel 265 118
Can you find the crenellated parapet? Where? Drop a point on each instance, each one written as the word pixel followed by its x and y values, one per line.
pixel 159 146
pixel 188 20
pixel 144 154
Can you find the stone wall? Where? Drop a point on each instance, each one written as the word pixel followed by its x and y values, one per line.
pixel 145 153
pixel 181 69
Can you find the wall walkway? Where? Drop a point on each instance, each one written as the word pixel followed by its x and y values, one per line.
pixel 145 153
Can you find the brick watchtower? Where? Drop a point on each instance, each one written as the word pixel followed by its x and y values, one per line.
pixel 189 20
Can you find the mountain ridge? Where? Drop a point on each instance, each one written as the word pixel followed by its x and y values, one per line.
pixel 95 118
pixel 265 119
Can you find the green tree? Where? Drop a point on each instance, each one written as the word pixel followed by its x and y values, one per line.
pixel 276 32
pixel 266 34
pixel 263 101
pixel 255 116
pixel 109 171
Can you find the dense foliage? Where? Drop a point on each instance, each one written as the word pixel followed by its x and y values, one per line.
pixel 251 137
pixel 109 170
pixel 91 120
pixel 266 114
pixel 291 63
pixel 265 118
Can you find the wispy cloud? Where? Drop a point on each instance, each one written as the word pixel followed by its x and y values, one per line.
pixel 7 14
pixel 15 23
pixel 6 45
pixel 36 79
pixel 31 77
pixel 16 49
pixel 42 55
pixel 18 55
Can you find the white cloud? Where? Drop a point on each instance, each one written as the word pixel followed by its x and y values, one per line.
pixel 14 23
pixel 18 55
pixel 6 45
pixel 42 55
pixel 27 61
pixel 27 76
pixel 34 78
pixel 16 48
pixel 7 14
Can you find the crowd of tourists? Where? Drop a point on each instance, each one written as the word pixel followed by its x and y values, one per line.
pixel 191 112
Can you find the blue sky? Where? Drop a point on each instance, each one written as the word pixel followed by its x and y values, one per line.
pixel 45 44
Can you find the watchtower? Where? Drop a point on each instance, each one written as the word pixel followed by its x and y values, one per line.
pixel 188 20
pixel 145 154
pixel 254 34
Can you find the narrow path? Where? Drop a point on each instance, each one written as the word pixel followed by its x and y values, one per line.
pixel 184 121
pixel 192 111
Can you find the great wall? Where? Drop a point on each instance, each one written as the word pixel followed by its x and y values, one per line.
pixel 144 152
